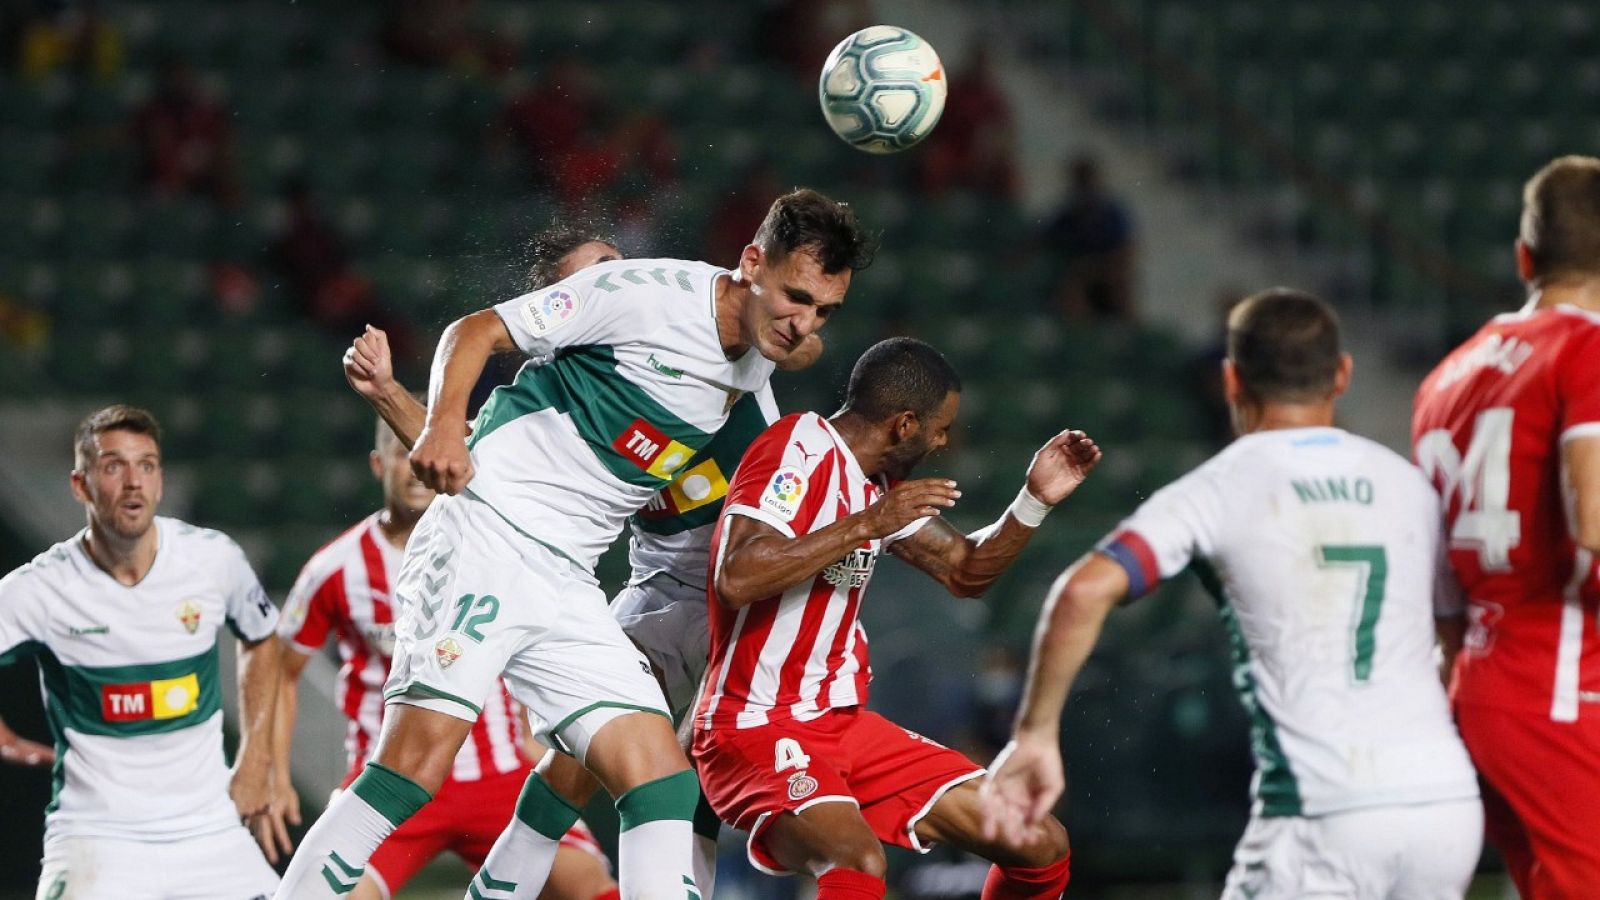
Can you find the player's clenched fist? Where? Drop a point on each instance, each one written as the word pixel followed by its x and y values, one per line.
pixel 909 501
pixel 368 364
pixel 1061 465
pixel 442 462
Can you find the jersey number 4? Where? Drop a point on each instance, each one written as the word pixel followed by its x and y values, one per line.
pixel 1373 564
pixel 1483 481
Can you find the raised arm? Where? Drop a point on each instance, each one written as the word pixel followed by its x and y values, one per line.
pixel 440 458
pixel 759 561
pixel 1027 779
pixel 968 564
pixel 369 368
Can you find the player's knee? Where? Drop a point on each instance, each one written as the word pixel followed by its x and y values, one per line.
pixel 865 857
pixel 1050 845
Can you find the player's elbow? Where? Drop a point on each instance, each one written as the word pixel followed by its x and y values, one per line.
pixel 962 584
pixel 731 591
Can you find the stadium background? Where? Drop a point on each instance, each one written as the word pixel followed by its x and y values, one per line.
pixel 204 200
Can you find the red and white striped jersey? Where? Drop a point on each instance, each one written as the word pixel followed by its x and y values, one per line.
pixel 343 590
pixel 797 655
pixel 1488 428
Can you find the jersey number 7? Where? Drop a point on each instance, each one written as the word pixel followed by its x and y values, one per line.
pixel 1483 479
pixel 1373 565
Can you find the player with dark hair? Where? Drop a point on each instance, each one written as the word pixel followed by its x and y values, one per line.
pixel 124 619
pixel 1508 429
pixel 783 743
pixel 646 360
pixel 1322 551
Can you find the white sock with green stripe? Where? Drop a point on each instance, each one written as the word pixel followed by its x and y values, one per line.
pixel 519 862
pixel 706 828
pixel 656 843
pixel 334 852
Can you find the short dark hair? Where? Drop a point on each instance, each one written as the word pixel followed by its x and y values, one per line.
pixel 1284 345
pixel 120 417
pixel 548 247
pixel 1561 217
pixel 804 219
pixel 898 375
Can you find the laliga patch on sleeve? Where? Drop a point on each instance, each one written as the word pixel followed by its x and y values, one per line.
pixel 550 310
pixel 783 495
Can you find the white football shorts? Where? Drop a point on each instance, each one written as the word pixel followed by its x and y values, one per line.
pixel 477 598
pixel 223 865
pixel 667 619
pixel 1424 851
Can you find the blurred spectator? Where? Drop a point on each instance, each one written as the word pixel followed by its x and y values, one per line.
pixel 549 121
pixel 800 33
pixel 1092 240
pixel 1206 371
pixel 235 290
pixel 432 34
pixel 23 329
pixel 974 144
pixel 314 262
pixel 70 37
pixel 739 214
pixel 184 138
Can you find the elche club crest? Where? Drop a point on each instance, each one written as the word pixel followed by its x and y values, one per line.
pixel 447 651
pixel 188 613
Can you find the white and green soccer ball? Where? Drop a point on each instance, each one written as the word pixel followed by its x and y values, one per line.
pixel 882 89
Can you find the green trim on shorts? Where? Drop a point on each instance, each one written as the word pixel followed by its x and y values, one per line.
pixel 672 798
pixel 539 807
pixel 561 726
pixel 435 693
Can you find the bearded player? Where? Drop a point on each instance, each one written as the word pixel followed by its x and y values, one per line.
pixel 1508 429
pixel 783 743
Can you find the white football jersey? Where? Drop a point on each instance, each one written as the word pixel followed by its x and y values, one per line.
pixel 1322 549
pixel 129 677
pixel 635 384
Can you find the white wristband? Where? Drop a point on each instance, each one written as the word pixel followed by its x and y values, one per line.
pixel 1028 509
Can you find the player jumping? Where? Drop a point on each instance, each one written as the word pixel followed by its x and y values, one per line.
pixel 783 743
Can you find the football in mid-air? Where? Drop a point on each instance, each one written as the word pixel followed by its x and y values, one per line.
pixel 882 89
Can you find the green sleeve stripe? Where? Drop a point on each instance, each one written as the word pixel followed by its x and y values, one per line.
pixel 543 810
pixel 395 797
pixel 671 798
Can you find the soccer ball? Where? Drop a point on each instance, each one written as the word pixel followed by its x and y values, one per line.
pixel 882 89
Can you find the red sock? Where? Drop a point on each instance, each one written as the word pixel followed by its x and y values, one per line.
pixel 1016 883
pixel 611 893
pixel 848 884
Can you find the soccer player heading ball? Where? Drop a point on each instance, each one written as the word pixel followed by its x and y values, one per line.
pixel 498 577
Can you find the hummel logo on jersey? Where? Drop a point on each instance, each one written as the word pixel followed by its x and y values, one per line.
pixel 663 368
pixel 166 698
pixel 648 448
pixel 87 630
pixel 189 615
pixel 853 571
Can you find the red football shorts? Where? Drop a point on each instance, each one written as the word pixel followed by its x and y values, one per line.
pixel 853 755
pixel 464 817
pixel 1541 797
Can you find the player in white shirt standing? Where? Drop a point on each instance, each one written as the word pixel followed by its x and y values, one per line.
pixel 124 620
pixel 647 358
pixel 1323 550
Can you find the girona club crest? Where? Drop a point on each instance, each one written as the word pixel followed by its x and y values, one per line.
pixel 801 786
pixel 189 615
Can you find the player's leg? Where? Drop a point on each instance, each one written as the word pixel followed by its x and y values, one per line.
pixel 413 845
pixel 1439 849
pixel 226 863
pixel 452 639
pixel 832 841
pixel 1038 867
pixel 580 871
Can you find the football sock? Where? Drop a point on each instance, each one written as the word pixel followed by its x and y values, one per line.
pixel 519 863
pixel 1017 883
pixel 848 884
pixel 656 840
pixel 706 828
pixel 334 852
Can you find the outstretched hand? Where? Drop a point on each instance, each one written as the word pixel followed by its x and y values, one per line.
pixel 909 501
pixel 1061 465
pixel 1022 787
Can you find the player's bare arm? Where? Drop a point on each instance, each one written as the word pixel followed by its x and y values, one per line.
pixel 1581 459
pixel 968 564
pixel 19 751
pixel 1027 778
pixel 440 458
pixel 272 829
pixel 762 562
pixel 251 783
